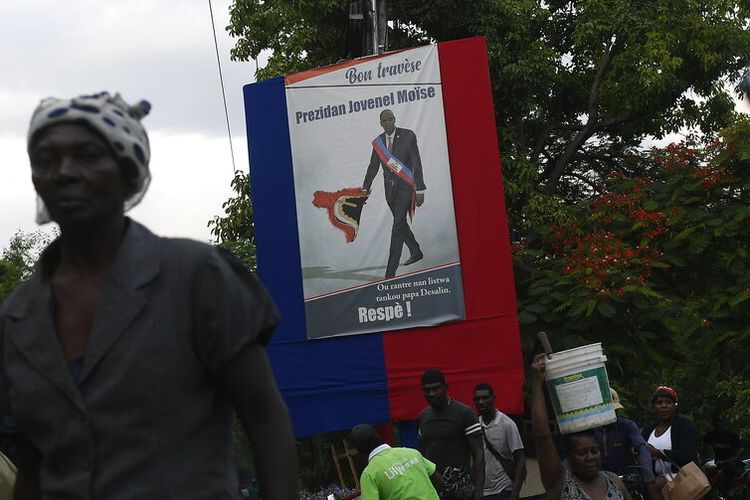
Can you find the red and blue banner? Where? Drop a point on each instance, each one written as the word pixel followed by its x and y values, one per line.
pixel 334 383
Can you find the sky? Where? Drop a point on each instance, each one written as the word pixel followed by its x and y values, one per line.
pixel 162 51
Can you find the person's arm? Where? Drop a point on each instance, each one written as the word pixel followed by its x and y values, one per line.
pixel 652 451
pixel 621 486
pixel 655 452
pixel 234 318
pixel 25 456
pixel 519 475
pixel 249 382
pixel 368 488
pixel 515 446
pixel 27 476
pixel 476 447
pixel 415 163
pixel 437 482
pixel 639 444
pixel 684 441
pixel 550 468
pixel 435 478
pixel 416 166
pixel 372 170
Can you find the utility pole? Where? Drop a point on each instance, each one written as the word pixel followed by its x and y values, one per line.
pixel 382 25
pixel 368 27
pixel 373 11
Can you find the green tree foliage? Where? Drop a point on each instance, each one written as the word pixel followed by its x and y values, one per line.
pixel 17 259
pixel 576 83
pixel 235 229
pixel 302 34
pixel 656 267
pixel 644 250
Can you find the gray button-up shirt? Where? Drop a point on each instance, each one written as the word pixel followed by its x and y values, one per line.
pixel 147 418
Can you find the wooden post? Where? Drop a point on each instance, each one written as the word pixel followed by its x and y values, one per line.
pixel 350 452
pixel 338 465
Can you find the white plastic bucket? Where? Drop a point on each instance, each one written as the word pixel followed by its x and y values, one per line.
pixel 579 388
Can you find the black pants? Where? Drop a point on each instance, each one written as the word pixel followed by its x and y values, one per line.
pixel 399 201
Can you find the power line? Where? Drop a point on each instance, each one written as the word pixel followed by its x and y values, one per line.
pixel 223 92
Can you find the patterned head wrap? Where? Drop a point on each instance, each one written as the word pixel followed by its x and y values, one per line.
pixel 112 118
pixel 665 391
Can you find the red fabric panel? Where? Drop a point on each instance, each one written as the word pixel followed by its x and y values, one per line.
pixel 486 347
pixel 386 432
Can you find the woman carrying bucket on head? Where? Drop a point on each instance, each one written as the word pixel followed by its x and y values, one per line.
pixel 585 480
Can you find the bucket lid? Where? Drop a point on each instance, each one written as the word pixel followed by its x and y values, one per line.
pixel 577 356
pixel 577 351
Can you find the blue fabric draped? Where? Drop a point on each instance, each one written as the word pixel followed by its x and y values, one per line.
pixel 329 384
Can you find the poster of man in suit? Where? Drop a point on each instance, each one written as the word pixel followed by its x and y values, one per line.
pixel 377 252
pixel 397 152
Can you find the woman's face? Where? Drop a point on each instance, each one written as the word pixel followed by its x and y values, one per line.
pixel 584 456
pixel 665 407
pixel 77 175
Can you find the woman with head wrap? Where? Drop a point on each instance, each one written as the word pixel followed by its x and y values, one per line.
pixel 125 353
pixel 671 439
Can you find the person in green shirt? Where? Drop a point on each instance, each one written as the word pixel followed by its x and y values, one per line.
pixel 393 473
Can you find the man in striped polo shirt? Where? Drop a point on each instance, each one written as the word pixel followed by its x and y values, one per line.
pixel 451 437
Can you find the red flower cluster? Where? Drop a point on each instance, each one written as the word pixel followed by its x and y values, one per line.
pixel 683 158
pixel 518 246
pixel 616 246
pixel 711 176
pixel 679 156
pixel 605 262
pixel 615 252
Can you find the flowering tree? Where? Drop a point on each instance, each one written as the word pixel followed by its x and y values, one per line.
pixel 655 266
pixel 575 83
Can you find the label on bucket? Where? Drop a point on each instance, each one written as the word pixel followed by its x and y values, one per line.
pixel 580 395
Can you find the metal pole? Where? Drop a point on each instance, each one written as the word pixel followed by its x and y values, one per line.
pixel 374 19
pixel 382 26
pixel 357 28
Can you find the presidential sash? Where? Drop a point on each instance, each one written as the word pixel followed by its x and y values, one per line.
pixel 397 167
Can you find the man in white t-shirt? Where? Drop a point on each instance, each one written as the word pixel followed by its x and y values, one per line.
pixel 503 448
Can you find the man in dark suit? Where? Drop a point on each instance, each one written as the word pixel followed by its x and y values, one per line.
pixel 403 186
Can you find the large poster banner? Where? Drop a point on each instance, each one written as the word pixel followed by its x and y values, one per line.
pixel 374 201
pixel 334 383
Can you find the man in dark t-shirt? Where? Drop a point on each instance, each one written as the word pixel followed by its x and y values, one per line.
pixel 449 431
